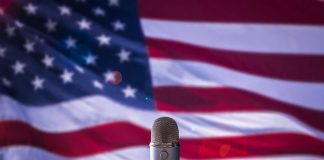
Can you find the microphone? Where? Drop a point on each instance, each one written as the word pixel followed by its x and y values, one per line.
pixel 164 140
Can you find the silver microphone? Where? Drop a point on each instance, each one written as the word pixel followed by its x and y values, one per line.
pixel 164 140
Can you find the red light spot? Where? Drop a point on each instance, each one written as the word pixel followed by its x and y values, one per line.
pixel 224 149
pixel 117 78
pixel 211 149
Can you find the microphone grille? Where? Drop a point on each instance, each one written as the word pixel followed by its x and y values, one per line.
pixel 164 130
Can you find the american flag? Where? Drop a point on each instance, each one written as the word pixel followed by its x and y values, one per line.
pixel 85 79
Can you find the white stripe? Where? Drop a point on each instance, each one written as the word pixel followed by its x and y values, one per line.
pixel 197 74
pixel 31 153
pixel 91 111
pixel 131 153
pixel 267 38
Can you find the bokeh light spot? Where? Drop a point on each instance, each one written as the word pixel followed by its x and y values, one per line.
pixel 117 78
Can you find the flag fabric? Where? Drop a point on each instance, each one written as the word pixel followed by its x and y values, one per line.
pixel 85 80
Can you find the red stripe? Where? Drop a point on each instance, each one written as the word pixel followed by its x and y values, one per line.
pixel 88 141
pixel 290 67
pixel 4 4
pixel 249 146
pixel 267 11
pixel 189 99
pixel 109 137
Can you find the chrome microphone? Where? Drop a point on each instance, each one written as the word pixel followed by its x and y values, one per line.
pixel 164 140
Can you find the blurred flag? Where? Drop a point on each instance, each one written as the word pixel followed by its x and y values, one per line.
pixel 84 80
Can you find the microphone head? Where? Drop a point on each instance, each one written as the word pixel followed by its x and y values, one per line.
pixel 164 132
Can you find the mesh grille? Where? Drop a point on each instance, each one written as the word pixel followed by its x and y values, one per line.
pixel 164 130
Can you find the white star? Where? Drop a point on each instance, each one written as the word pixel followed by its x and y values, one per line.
pixel 39 39
pixel 48 61
pixel 97 84
pixel 114 3
pixel 109 76
pixel 67 76
pixel 124 55
pixel 118 26
pixel 70 42
pixel 38 83
pixel 79 69
pixel 1 11
pixel 29 46
pixel 31 9
pixel 64 10
pixel 103 40
pixel 91 60
pixel 6 82
pixel 19 24
pixel 50 25
pixel 2 52
pixel 129 92
pixel 99 11
pixel 10 30
pixel 18 67
pixel 84 24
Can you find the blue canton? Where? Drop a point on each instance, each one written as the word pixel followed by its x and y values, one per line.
pixel 54 51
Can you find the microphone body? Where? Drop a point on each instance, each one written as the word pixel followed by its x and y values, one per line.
pixel 164 153
pixel 165 140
